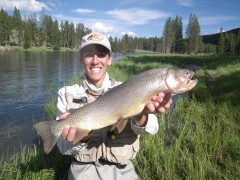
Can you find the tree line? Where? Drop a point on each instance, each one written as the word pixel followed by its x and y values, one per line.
pixel 31 32
pixel 227 43
pixel 44 31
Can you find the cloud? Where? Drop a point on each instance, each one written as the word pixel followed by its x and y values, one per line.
pixel 83 11
pixel 100 27
pixel 136 16
pixel 26 5
pixel 105 26
pixel 186 3
pixel 132 34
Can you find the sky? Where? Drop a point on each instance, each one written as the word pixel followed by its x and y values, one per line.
pixel 133 17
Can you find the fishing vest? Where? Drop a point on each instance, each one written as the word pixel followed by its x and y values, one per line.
pixel 103 143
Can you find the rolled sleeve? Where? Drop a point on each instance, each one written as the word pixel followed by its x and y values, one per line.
pixel 151 127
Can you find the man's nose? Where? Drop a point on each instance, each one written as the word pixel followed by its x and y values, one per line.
pixel 95 59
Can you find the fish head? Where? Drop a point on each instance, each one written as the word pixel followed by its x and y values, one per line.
pixel 180 80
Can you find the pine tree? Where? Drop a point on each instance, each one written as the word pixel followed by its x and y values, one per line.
pixel 66 34
pixel 111 43
pixel 33 29
pixel 178 40
pixel 5 30
pixel 27 35
pixel 72 36
pixel 62 34
pixel 42 34
pixel 17 27
pixel 124 43
pixel 238 43
pixel 55 35
pixel 168 35
pixel 80 32
pixel 230 42
pixel 116 45
pixel 221 43
pixel 48 25
pixel 193 34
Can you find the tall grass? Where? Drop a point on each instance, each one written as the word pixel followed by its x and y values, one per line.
pixel 198 140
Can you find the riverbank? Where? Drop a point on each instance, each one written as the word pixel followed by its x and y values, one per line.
pixel 63 49
pixel 17 48
pixel 200 140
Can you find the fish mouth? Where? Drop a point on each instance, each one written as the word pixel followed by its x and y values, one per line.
pixel 190 83
pixel 180 80
pixel 189 80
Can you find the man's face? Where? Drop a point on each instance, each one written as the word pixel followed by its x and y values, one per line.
pixel 95 59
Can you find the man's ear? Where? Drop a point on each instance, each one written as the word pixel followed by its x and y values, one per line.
pixel 110 60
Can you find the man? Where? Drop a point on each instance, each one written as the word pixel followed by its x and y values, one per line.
pixel 105 154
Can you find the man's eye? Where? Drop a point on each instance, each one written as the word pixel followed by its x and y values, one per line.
pixel 91 54
pixel 101 54
pixel 88 54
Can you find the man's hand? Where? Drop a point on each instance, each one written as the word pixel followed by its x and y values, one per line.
pixel 158 104
pixel 69 131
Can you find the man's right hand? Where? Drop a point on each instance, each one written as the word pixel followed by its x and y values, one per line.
pixel 69 131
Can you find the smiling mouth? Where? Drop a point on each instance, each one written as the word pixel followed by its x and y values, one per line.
pixel 95 70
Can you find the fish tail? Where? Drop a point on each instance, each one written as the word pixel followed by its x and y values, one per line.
pixel 44 130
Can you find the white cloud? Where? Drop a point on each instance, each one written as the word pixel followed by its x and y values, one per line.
pixel 84 11
pixel 132 34
pixel 105 26
pixel 100 27
pixel 186 3
pixel 26 5
pixel 136 16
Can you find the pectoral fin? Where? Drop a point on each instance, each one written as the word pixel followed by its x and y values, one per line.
pixel 81 134
pixel 120 125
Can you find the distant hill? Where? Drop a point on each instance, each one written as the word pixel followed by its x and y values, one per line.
pixel 213 38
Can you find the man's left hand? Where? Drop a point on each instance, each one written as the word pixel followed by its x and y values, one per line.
pixel 158 104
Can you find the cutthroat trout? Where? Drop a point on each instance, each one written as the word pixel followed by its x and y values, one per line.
pixel 122 102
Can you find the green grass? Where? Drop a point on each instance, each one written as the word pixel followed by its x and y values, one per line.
pixel 199 140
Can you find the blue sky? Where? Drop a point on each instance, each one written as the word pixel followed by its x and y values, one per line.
pixel 134 17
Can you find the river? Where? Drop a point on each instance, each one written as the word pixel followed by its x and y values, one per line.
pixel 24 80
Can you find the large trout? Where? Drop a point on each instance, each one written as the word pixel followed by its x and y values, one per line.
pixel 122 102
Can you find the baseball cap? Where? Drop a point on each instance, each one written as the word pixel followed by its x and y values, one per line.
pixel 95 38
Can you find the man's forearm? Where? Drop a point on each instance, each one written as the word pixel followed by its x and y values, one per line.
pixel 140 120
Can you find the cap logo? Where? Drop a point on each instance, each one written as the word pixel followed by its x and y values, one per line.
pixel 95 37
